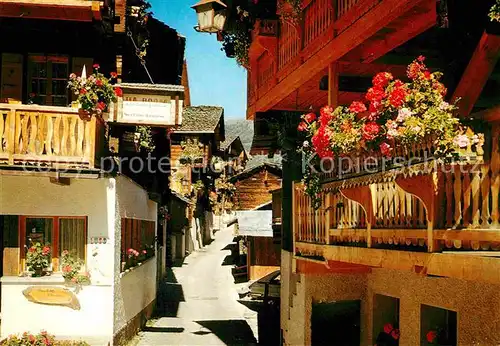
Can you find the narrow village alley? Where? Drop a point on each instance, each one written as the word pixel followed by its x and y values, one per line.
pixel 198 305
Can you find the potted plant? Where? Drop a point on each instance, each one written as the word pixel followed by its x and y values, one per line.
pixel 38 259
pixel 388 337
pixel 71 267
pixel 95 93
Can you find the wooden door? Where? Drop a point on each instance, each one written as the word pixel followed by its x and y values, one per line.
pixel 11 84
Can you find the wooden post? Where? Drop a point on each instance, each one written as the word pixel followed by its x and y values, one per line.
pixel 11 125
pixel 294 214
pixel 495 176
pixel 328 216
pixel 333 85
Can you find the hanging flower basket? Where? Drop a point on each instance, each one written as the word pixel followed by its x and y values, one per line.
pixel 94 93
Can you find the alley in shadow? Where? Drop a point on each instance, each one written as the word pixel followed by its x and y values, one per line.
pixel 197 304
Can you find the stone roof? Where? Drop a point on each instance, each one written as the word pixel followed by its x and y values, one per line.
pixel 200 119
pixel 229 140
pixel 147 86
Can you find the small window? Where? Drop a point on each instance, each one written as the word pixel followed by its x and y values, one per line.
pixel 60 233
pixel 438 326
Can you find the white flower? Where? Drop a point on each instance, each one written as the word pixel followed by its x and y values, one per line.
pixel 462 141
pixel 475 139
pixel 392 133
pixel 416 128
pixel 403 114
pixel 444 106
pixel 305 144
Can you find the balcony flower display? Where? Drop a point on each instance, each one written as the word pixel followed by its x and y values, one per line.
pixel 388 337
pixel 394 114
pixel 94 93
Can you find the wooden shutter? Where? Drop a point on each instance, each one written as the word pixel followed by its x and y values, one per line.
pixel 11 85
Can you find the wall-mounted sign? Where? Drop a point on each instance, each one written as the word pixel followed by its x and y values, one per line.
pixel 156 105
pixel 52 295
pixel 98 240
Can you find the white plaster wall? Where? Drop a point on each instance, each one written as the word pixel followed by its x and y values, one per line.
pixel 132 201
pixel 137 289
pixel 93 322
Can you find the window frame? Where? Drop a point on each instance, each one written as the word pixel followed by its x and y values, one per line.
pixel 55 239
pixel 50 59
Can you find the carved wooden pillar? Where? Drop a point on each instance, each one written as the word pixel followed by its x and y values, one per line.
pixel 363 196
pixel 427 189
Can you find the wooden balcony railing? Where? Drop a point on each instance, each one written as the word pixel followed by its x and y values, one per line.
pixel 297 43
pixel 421 207
pixel 48 136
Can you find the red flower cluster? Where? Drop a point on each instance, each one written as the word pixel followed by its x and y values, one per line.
pixel 113 74
pixel 431 336
pixel 416 67
pixel 382 79
pixel 375 94
pixel 45 250
pixel 101 106
pixel 302 127
pixel 83 91
pixel 98 83
pixel 321 142
pixel 357 107
pixel 393 332
pixel 385 149
pixel 118 92
pixel 96 66
pixel 310 117
pixel 326 115
pixel 370 131
pixel 67 269
pixel 398 96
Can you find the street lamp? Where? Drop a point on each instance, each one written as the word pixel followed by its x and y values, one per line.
pixel 211 15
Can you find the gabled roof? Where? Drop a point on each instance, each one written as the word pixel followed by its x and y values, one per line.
pixel 255 166
pixel 229 140
pixel 200 119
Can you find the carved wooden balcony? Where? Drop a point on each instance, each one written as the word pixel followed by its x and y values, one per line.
pixel 49 137
pixel 427 206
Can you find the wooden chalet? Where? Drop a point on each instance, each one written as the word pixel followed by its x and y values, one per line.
pixel 202 131
pixel 64 181
pixel 412 247
pixel 233 152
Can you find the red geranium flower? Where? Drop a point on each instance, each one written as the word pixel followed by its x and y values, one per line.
pixel 321 142
pixel 388 328
pixel 45 250
pixel 310 117
pixel 395 334
pixel 427 75
pixel 375 94
pixel 114 74
pixel 398 83
pixel 66 269
pixel 326 114
pixel 397 97
pixel 118 92
pixel 96 66
pixel 382 79
pixel 385 149
pixel 83 91
pixel 421 58
pixel 370 131
pixel 31 249
pixel 431 336
pixel 440 88
pixel 357 107
pixel 302 127
pixel 98 83
pixel 101 106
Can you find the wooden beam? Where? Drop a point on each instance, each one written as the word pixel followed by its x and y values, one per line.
pixel 464 267
pixel 314 267
pixel 376 19
pixel 333 85
pixel 476 74
pixel 418 20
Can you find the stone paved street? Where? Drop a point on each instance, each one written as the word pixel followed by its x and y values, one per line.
pixel 199 305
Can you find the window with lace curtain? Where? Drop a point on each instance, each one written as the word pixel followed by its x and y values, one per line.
pixel 61 233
